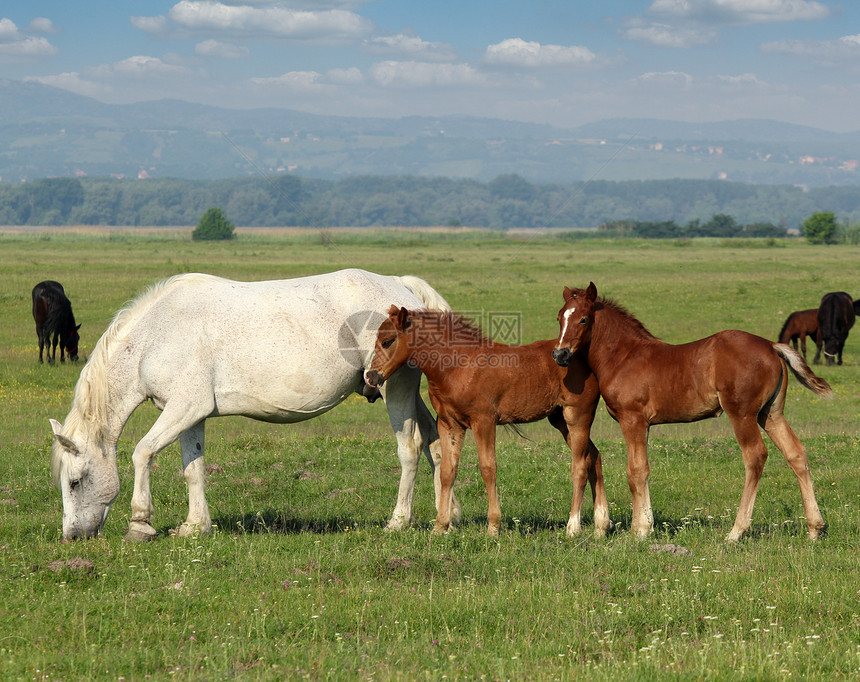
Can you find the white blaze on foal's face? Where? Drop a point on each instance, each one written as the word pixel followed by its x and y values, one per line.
pixel 566 317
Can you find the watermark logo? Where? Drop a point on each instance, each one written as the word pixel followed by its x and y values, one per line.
pixel 356 336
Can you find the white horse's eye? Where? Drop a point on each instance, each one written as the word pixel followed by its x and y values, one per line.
pixel 74 484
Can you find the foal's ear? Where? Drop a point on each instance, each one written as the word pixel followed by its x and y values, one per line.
pixel 78 327
pixel 403 319
pixel 591 292
pixel 567 293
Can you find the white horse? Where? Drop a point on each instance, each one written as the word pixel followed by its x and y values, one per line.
pixel 200 346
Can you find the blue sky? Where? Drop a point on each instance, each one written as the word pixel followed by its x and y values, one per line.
pixel 560 62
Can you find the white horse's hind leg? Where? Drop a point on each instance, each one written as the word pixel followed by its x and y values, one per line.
pixel 178 416
pixel 192 442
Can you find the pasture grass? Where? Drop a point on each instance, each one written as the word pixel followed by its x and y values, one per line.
pixel 300 581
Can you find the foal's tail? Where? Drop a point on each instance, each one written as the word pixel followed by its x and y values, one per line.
pixel 802 372
pixel 431 298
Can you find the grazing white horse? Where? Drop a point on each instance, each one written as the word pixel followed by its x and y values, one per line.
pixel 200 346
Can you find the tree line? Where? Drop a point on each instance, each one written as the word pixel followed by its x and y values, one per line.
pixel 672 207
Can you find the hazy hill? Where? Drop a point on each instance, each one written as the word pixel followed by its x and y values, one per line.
pixel 46 131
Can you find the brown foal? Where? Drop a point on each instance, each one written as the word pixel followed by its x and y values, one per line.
pixel 644 381
pixel 477 384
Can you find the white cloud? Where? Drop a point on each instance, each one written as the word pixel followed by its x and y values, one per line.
pixel 42 25
pixel 665 35
pixel 846 48
pixel 741 11
pixel 215 48
pixel 424 74
pixel 670 78
pixel 15 45
pixel 156 25
pixel 311 82
pixel 277 21
pixel 744 79
pixel 141 66
pixel 410 47
pixel 72 82
pixel 299 81
pixel 518 52
pixel 351 76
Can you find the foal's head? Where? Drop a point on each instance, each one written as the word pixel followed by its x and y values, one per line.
pixel 576 319
pixel 392 348
pixel 70 342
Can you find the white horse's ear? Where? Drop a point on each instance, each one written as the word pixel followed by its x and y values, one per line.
pixel 67 443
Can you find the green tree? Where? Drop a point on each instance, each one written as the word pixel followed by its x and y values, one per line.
pixel 820 228
pixel 213 225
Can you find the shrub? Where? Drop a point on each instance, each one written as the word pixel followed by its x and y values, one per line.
pixel 213 225
pixel 820 228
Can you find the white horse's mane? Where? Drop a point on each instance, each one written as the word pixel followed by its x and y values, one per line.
pixel 90 403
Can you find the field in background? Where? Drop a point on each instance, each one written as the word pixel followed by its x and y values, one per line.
pixel 300 580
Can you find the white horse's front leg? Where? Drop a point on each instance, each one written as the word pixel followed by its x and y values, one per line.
pixel 192 442
pixel 176 418
pixel 400 393
pixel 140 528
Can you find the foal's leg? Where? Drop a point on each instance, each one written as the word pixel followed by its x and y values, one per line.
pixel 451 437
pixel 485 440
pixel 176 418
pixel 585 466
pixel 755 455
pixel 433 452
pixel 192 442
pixel 52 348
pixel 635 431
pixel 792 449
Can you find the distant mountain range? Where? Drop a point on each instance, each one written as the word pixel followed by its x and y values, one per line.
pixel 47 132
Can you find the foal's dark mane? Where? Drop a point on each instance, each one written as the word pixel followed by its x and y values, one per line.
pixel 637 327
pixel 455 326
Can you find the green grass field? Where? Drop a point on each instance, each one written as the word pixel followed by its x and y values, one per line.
pixel 300 581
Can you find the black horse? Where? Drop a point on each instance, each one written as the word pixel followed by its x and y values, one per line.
pixel 835 319
pixel 52 312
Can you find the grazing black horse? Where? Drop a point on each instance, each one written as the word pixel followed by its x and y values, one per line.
pixel 835 318
pixel 52 312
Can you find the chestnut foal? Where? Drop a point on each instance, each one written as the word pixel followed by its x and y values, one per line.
pixel 477 384
pixel 645 381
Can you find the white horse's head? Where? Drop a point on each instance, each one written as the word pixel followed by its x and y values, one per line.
pixel 85 471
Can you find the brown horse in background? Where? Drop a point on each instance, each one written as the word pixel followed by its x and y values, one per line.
pixel 799 325
pixel 835 318
pixel 477 384
pixel 55 321
pixel 645 381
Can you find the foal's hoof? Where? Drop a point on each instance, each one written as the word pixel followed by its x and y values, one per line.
pixel 440 530
pixel 817 533
pixel 456 512
pixel 139 531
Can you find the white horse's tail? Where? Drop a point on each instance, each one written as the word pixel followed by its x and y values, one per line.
pixel 431 298
pixel 802 371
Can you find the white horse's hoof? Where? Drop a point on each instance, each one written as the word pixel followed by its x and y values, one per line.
pixel 398 523
pixel 140 531
pixel 190 530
